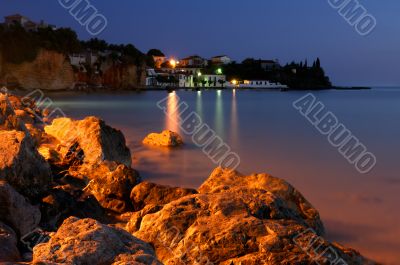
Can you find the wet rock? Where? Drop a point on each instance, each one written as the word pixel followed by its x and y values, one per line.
pixel 8 244
pixel 16 211
pixel 164 139
pixel 225 180
pixel 86 241
pixel 21 165
pixel 90 140
pixel 236 221
pixel 147 193
pixel 111 184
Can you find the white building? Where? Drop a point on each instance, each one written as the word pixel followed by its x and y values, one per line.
pixel 221 60
pixel 201 80
pixel 77 59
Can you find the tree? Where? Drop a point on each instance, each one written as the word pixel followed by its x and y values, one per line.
pixel 155 52
pixel 221 82
pixel 318 63
pixel 95 44
pixel 204 82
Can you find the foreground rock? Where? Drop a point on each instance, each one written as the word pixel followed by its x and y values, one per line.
pixel 225 180
pixel 8 244
pixel 111 184
pixel 147 193
pixel 16 211
pixel 8 119
pixel 148 198
pixel 164 139
pixel 86 241
pixel 21 165
pixel 239 220
pixel 90 141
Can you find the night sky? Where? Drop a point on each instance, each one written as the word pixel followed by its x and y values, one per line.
pixel 283 29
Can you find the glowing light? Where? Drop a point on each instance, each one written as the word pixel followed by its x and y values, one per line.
pixel 173 63
pixel 219 71
pixel 199 74
pixel 235 82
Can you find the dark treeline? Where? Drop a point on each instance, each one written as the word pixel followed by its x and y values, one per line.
pixel 295 75
pixel 18 45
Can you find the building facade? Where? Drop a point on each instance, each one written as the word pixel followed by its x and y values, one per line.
pixel 193 61
pixel 221 60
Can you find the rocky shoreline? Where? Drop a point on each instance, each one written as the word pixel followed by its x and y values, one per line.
pixel 69 195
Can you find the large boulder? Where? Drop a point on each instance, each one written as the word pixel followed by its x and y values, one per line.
pixel 86 241
pixel 111 184
pixel 90 140
pixel 226 180
pixel 165 139
pixel 147 193
pixel 21 165
pixel 8 244
pixel 242 225
pixel 16 211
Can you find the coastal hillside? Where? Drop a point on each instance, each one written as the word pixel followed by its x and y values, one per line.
pixel 45 59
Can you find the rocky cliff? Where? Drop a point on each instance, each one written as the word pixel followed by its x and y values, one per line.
pixel 50 70
pixel 53 71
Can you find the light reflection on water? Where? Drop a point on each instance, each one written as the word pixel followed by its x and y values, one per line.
pixel 270 136
pixel 173 115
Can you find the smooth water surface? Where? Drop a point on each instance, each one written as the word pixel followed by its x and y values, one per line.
pixel 360 211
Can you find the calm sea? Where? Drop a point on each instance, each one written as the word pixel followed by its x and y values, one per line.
pixel 360 211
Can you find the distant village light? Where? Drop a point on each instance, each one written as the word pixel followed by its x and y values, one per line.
pixel 173 63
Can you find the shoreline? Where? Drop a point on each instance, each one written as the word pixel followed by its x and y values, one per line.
pixel 140 90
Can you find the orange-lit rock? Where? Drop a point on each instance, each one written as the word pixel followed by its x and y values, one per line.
pixel 96 141
pixel 238 220
pixel 21 165
pixel 165 139
pixel 86 241
pixel 225 180
pixel 147 193
pixel 111 184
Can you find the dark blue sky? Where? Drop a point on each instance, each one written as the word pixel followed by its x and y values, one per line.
pixel 284 29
